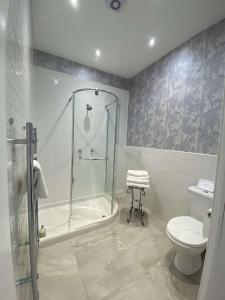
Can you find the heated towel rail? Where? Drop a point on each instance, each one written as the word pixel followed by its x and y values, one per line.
pixel 32 203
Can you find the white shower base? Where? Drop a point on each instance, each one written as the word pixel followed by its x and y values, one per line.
pixel 88 214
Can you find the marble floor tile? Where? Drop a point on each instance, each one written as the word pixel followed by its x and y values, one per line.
pixel 106 267
pixel 176 285
pixel 143 288
pixel 59 276
pixel 118 262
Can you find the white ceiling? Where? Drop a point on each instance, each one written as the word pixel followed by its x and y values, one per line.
pixel 76 33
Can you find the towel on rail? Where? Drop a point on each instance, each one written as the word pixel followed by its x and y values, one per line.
pixel 137 173
pixel 40 185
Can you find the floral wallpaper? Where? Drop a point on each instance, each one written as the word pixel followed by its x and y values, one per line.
pixel 63 65
pixel 176 103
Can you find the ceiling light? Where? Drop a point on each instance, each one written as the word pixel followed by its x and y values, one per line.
pixel 97 53
pixel 151 42
pixel 74 3
pixel 115 4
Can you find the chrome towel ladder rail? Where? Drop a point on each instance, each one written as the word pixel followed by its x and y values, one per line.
pixel 31 145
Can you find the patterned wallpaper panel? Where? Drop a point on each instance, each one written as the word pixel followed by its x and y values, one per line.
pixel 176 103
pixel 63 65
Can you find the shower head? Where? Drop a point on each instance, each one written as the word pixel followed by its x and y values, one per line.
pixel 89 107
pixel 96 93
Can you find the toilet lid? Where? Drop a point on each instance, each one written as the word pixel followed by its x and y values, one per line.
pixel 187 231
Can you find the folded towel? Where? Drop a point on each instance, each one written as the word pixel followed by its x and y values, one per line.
pixel 137 173
pixel 142 180
pixel 139 185
pixel 138 177
pixel 40 185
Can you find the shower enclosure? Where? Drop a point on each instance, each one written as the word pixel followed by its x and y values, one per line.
pixel 95 118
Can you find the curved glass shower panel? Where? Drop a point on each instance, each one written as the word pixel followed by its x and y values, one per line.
pixel 111 141
pixel 93 154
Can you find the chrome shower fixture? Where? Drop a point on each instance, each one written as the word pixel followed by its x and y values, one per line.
pixel 115 4
pixel 89 107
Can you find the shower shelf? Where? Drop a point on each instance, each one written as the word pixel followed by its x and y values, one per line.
pixel 94 158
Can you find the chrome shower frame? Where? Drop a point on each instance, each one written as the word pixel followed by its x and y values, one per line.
pixel 117 101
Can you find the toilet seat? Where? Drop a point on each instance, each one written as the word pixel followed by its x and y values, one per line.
pixel 186 231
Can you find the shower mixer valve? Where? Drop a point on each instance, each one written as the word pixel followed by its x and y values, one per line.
pixel 89 107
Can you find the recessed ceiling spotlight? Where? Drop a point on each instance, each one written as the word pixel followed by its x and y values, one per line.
pixel 74 3
pixel 97 53
pixel 115 4
pixel 151 42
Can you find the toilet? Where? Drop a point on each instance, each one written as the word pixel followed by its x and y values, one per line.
pixel 189 234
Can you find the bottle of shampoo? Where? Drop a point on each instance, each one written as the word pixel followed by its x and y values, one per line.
pixel 42 232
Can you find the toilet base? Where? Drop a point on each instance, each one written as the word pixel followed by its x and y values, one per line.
pixel 187 264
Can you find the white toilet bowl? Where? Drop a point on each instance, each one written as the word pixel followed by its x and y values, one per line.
pixel 186 233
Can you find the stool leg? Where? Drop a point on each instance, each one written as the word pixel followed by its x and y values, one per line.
pixel 132 205
pixel 140 208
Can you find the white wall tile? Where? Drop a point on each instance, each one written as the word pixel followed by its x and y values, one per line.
pixel 171 173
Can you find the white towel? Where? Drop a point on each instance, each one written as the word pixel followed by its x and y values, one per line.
pixel 138 185
pixel 40 185
pixel 137 173
pixel 141 180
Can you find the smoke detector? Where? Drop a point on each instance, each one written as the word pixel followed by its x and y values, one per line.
pixel 115 4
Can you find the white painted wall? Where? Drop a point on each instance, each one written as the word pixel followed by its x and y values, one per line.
pixel 53 120
pixel 15 102
pixel 6 270
pixel 171 173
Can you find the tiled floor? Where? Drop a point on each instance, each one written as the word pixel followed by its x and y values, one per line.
pixel 121 261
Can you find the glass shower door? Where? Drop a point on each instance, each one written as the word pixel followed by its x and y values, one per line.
pixel 111 151
pixel 93 155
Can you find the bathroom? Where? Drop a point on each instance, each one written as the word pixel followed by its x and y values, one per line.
pixel 93 94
